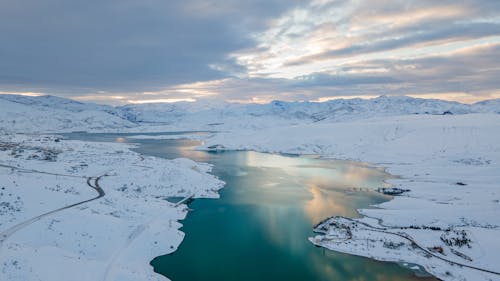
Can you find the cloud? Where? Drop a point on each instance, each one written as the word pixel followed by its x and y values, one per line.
pixel 120 45
pixel 323 79
pixel 303 40
pixel 122 51
pixel 426 36
pixel 467 75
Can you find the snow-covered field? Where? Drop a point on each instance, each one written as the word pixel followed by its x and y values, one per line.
pixel 112 238
pixel 447 154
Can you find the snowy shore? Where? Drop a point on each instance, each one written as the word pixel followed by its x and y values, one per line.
pixel 112 238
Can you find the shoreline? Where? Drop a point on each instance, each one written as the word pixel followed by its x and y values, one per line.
pixel 438 176
pixel 112 238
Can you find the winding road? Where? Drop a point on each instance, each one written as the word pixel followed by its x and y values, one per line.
pixel 93 182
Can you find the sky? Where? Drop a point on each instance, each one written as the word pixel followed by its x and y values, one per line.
pixel 131 51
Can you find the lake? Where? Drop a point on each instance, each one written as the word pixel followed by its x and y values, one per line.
pixel 259 227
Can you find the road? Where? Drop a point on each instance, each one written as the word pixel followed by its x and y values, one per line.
pixel 92 182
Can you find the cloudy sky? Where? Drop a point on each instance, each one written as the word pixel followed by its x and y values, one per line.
pixel 123 51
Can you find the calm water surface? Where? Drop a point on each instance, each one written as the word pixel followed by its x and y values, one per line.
pixel 259 227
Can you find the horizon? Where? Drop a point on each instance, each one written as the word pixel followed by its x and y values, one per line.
pixel 173 101
pixel 116 52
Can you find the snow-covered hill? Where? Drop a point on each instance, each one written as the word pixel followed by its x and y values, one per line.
pixel 232 116
pixel 310 111
pixel 487 106
pixel 55 102
pixel 54 114
pixel 303 112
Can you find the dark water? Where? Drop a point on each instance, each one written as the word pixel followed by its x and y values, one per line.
pixel 259 227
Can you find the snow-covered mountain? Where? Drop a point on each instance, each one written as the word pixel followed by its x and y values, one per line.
pixel 54 114
pixel 55 102
pixel 50 113
pixel 335 110
pixel 487 106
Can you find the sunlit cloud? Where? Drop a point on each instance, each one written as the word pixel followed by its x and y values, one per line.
pixel 381 20
pixel 160 101
pixel 323 99
pixel 100 97
pixel 292 57
pixel 460 97
pixel 30 94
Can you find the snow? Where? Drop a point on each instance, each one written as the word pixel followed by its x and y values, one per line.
pixel 51 114
pixel 447 154
pixel 54 114
pixel 111 238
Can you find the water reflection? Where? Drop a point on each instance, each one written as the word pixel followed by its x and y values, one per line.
pixel 336 174
pixel 258 229
pixel 324 203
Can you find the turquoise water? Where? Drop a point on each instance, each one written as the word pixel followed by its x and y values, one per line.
pixel 259 227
